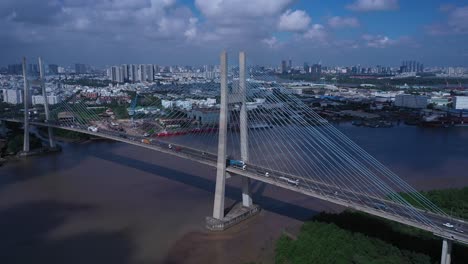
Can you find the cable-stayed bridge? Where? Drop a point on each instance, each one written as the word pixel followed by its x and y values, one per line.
pixel 243 123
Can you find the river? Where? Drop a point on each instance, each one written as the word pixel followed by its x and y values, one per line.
pixel 105 202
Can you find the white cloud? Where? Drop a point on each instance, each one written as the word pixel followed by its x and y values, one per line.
pixel 241 8
pixel 458 19
pixel 234 21
pixel 271 42
pixel 457 22
pixel 316 33
pixel 373 5
pixel 343 22
pixel 191 32
pixel 294 21
pixel 378 41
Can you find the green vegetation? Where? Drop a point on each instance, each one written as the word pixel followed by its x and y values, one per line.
pixel 359 238
pixel 15 143
pixel 452 201
pixel 120 110
pixel 14 140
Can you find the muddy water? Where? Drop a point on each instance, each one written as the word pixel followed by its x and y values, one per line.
pixel 112 203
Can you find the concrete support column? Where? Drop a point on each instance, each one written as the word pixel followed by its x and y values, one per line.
pixel 446 256
pixel 26 108
pixel 218 210
pixel 244 129
pixel 46 103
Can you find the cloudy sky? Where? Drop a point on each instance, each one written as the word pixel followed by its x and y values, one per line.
pixel 336 32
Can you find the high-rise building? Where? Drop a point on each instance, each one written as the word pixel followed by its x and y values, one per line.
pixel 126 74
pixel 53 69
pixel 142 73
pixel 13 96
pixel 306 67
pixel 284 68
pixel 290 64
pixel 15 69
pixel 150 73
pixel 133 74
pixel 114 72
pixel 80 68
pixel 316 70
pixel 120 76
pixel 411 66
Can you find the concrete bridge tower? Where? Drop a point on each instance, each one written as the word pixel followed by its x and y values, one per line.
pixel 26 108
pixel 50 130
pixel 220 221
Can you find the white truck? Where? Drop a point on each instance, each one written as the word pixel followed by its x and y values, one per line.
pixel 290 181
pixel 93 129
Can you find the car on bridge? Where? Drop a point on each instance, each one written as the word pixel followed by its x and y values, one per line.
pixel 380 206
pixel 93 129
pixel 173 147
pixel 449 225
pixel 236 163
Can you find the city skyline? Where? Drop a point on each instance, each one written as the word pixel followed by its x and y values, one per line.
pixel 184 32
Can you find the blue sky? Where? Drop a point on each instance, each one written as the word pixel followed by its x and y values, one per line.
pixel 345 32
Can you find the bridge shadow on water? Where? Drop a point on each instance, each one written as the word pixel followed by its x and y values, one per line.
pixel 24 238
pixel 234 193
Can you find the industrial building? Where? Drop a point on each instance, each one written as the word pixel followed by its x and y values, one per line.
pixel 412 101
pixel 51 99
pixel 460 102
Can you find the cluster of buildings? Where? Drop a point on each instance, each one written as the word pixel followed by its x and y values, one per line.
pixel 133 73
pixel 15 96
pixel 411 66
pixel 188 104
pixel 52 69
pixel 103 95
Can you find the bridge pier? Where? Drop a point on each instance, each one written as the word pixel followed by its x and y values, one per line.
pixel 446 256
pixel 238 213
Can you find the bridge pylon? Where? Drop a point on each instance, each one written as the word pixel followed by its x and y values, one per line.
pixel 244 133
pixel 238 213
pixel 50 130
pixel 26 108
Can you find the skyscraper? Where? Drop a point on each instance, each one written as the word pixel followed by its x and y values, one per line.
pixel 150 73
pixel 53 69
pixel 142 73
pixel 80 68
pixel 284 68
pixel 316 70
pixel 134 73
pixel 114 72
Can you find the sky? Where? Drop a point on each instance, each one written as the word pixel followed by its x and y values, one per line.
pixel 194 32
